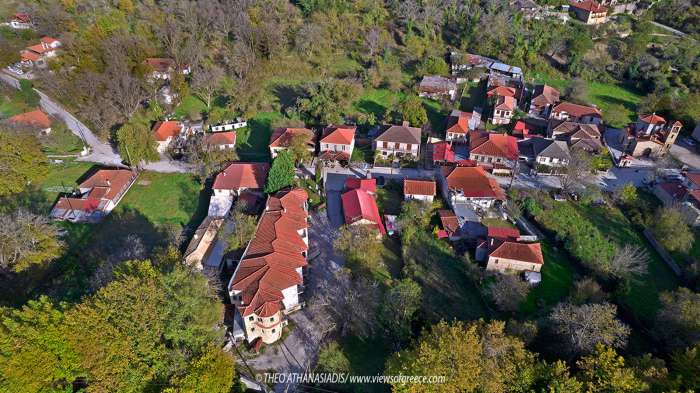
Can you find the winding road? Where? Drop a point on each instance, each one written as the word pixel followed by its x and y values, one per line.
pixel 101 152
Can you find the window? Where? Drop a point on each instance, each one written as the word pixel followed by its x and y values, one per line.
pixel 252 318
pixel 272 319
pixel 252 329
pixel 259 319
pixel 273 330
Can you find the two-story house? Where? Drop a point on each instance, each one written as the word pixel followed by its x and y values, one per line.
pixel 359 205
pixel 650 136
pixel 165 132
pixel 268 280
pixel 38 55
pixel 459 124
pixel 497 152
pixel 576 113
pixel 545 153
pixel 576 135
pixel 470 186
pixel 239 177
pixel 503 101
pixel 337 143
pixel 544 98
pixel 281 139
pixel 589 11
pixel 398 142
pixel 421 190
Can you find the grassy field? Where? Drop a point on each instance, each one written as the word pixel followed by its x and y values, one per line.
pixel 61 141
pixel 367 357
pixel 63 177
pixel 557 280
pixel 380 102
pixel 11 103
pixel 643 296
pixel 167 198
pixel 189 106
pixel 253 141
pixel 602 94
pixel 497 222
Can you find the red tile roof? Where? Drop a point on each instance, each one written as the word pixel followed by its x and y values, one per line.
pixel 502 91
pixel 576 110
pixel 449 221
pixel 506 103
pixel 503 233
pixel 459 124
pixel 49 40
pixel 590 6
pixel 22 17
pixel 160 64
pixel 677 191
pixel 693 178
pixel 105 184
pixel 30 56
pixel 526 252
pixel 652 119
pixel 442 151
pixel 282 137
pixel 353 183
pixel 360 205
pixel 330 155
pixel 242 175
pixel 273 256
pixel 221 138
pixel 35 118
pixel 418 187
pixel 492 144
pixel 163 130
pixel 40 48
pixel 545 95
pixel 473 182
pixel 339 135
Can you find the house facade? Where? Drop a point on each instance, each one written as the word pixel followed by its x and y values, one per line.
pixel 39 54
pixel 220 140
pixel 337 143
pixel 650 136
pixel 269 279
pixel 20 21
pixel 239 177
pixel 493 151
pixel 398 142
pixel 281 139
pixel 514 256
pixel 165 132
pixel 576 113
pixel 589 11
pixel 471 186
pixel 459 124
pixel 421 190
pixel 544 98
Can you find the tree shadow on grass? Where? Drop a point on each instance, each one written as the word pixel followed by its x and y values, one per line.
pixel 369 106
pixel 199 205
pixel 610 100
pixel 287 95
pixel 254 144
pixel 123 235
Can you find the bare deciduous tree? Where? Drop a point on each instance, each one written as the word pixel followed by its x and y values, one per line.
pixel 507 291
pixel 206 82
pixel 629 261
pixel 577 170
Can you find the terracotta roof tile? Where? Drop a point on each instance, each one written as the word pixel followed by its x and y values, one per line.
pixel 282 137
pixel 473 182
pixel 220 138
pixel 418 187
pixel 242 175
pixel 163 130
pixel 526 252
pixel 369 185
pixel 576 110
pixel 442 151
pixel 652 119
pixel 35 118
pixel 359 205
pixel 339 135
pixel 492 144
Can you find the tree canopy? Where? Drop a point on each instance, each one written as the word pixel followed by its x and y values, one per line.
pixel 21 161
pixel 281 173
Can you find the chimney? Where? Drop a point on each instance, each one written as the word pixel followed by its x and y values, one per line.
pixel 405 123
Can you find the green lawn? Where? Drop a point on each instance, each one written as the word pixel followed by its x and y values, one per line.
pixel 602 94
pixel 643 296
pixel 557 280
pixel 253 141
pixel 390 197
pixel 167 198
pixel 61 141
pixel 497 222
pixel 11 103
pixel 63 177
pixel 189 106
pixel 367 357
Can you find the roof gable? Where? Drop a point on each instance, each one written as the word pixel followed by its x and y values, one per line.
pixel 401 134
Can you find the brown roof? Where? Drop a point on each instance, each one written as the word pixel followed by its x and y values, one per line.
pixel 449 221
pixel 160 64
pixel 506 102
pixel 163 130
pixel 221 138
pixel 545 95
pixel 105 184
pixel 652 119
pixel 493 144
pixel 526 252
pixel 274 254
pixel 242 175
pixel 418 187
pixel 35 118
pixel 472 182
pixel 30 55
pixel 590 6
pixel 576 110
pixel 503 91
pixel 401 134
pixel 282 137
pixel 458 122
pixel 339 135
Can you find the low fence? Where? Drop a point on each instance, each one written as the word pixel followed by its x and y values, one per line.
pixel 663 253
